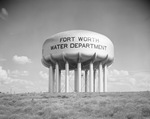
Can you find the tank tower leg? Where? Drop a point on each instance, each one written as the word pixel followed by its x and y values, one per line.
pixel 51 79
pixel 67 77
pixel 100 78
pixel 57 78
pixel 105 71
pixel 54 82
pixel 94 77
pixel 86 75
pixel 75 80
pixel 91 77
pixel 79 77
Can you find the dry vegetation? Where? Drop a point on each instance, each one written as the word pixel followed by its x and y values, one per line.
pixel 75 106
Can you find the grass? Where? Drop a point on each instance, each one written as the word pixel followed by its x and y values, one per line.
pixel 133 105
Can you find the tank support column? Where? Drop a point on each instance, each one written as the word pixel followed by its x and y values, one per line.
pixel 94 90
pixel 59 80
pixel 75 80
pixel 100 78
pixel 79 77
pixel 54 82
pixel 50 79
pixel 105 70
pixel 91 78
pixel 86 75
pixel 67 77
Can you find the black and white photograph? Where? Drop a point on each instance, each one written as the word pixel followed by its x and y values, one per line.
pixel 74 59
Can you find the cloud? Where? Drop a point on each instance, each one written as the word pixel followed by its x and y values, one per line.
pixel 43 75
pixel 131 81
pixel 118 73
pixel 3 14
pixel 120 80
pixel 2 59
pixel 142 80
pixel 17 73
pixel 10 79
pixel 3 74
pixel 11 76
pixel 21 59
pixel 18 81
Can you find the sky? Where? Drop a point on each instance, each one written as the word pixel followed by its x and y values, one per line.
pixel 26 24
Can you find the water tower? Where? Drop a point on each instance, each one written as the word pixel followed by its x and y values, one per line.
pixel 79 51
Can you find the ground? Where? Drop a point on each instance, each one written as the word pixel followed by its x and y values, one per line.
pixel 127 105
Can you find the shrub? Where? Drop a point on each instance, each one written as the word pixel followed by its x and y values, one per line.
pixel 119 115
pixel 133 115
pixel 35 117
pixel 93 101
pixel 87 109
pixel 146 111
pixel 76 106
pixel 61 114
pixel 45 113
pixel 102 103
pixel 3 117
pixel 5 109
pixel 15 116
pixel 28 110
pixel 62 96
pixel 104 112
pixel 117 108
pixel 17 110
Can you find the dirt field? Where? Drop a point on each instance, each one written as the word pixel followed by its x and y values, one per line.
pixel 133 105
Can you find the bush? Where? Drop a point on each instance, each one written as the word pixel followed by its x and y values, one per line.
pixel 134 115
pixel 45 113
pixel 62 114
pixel 88 109
pixel 3 117
pixel 146 111
pixel 119 115
pixel 28 110
pixel 75 106
pixel 15 116
pixel 5 110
